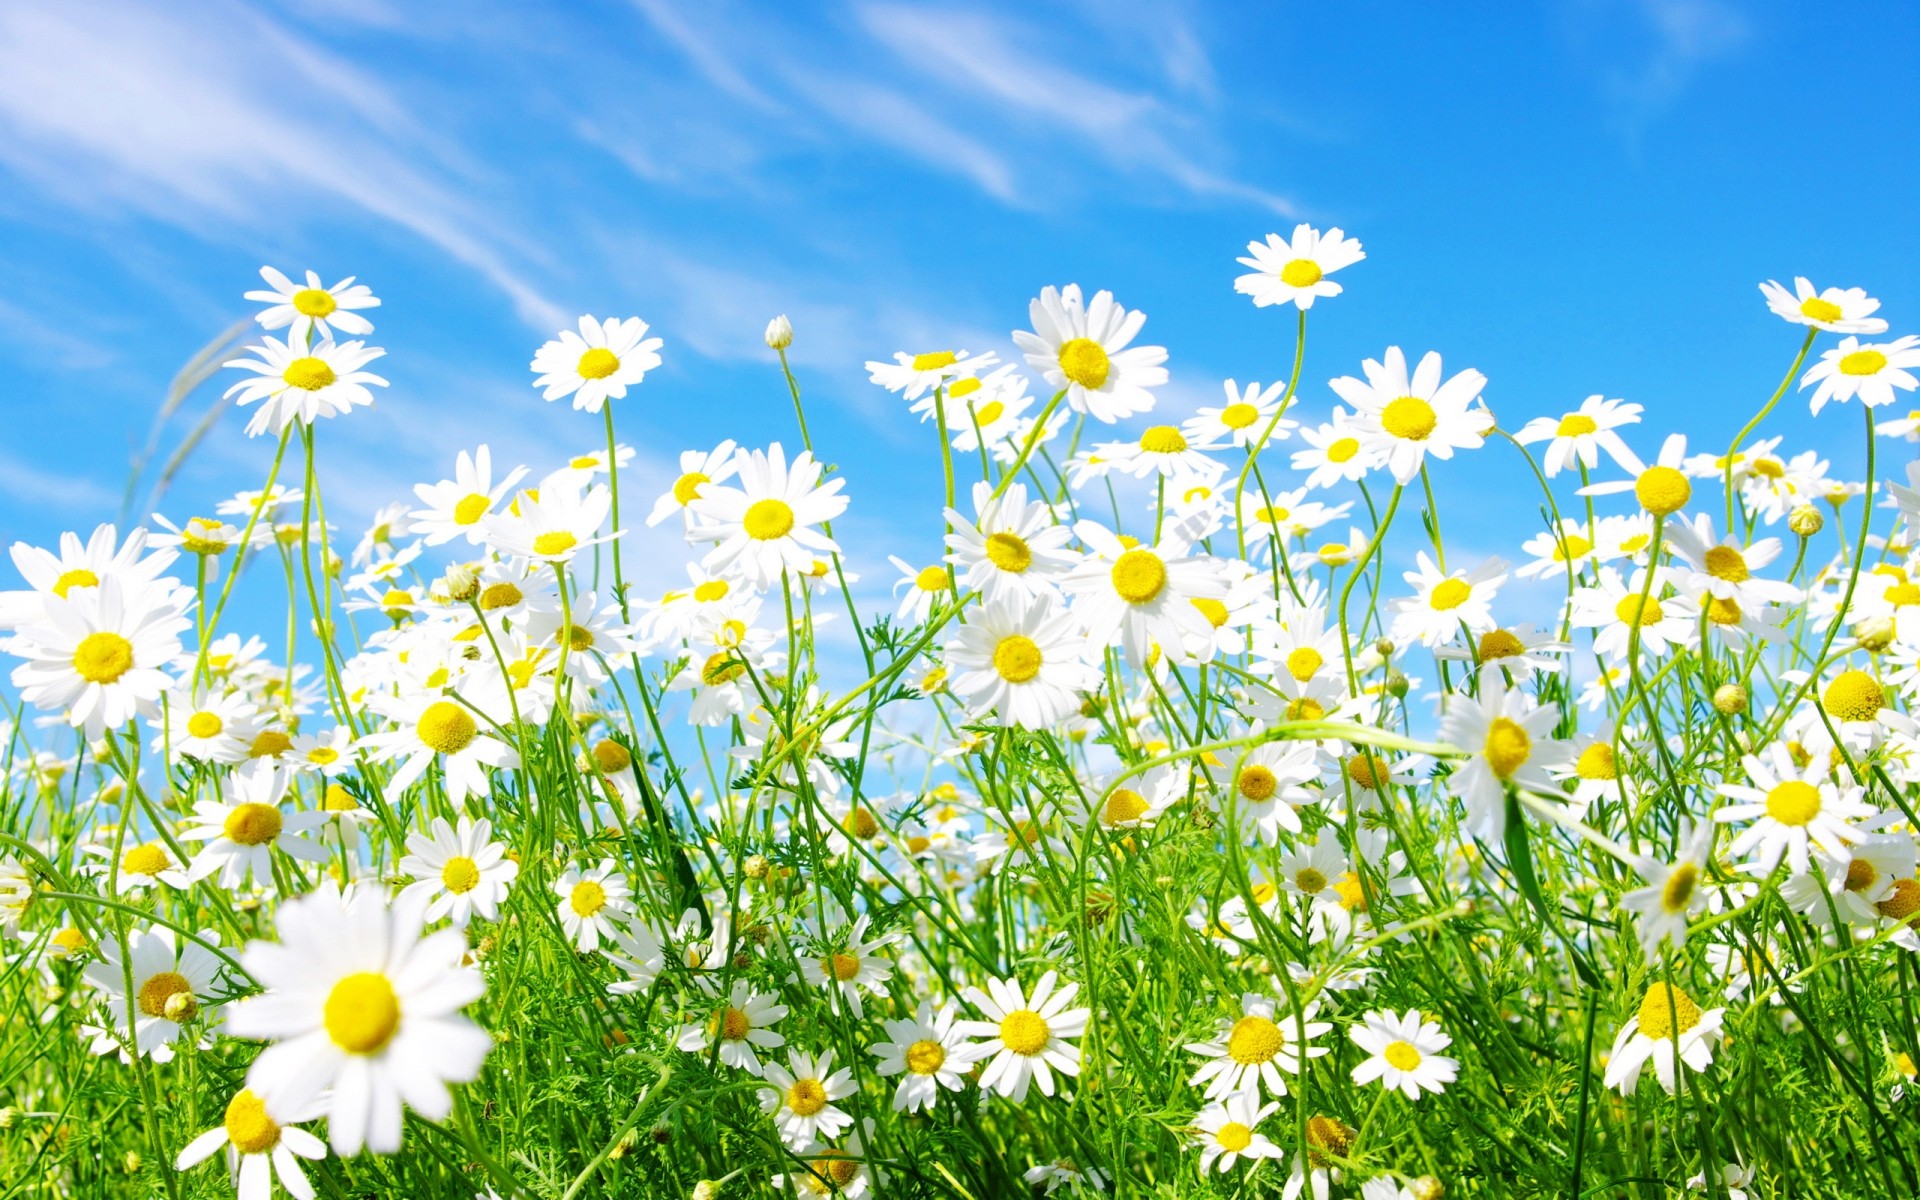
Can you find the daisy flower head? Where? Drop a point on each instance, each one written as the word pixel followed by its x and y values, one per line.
pixel 1580 436
pixel 1662 488
pixel 924 586
pixel 1404 418
pixel 458 507
pixel 1724 568
pixel 170 975
pixel 592 903
pixel 461 868
pixel 258 1148
pixel 1271 786
pixel 247 824
pixel 765 526
pixel 1140 800
pixel 801 1100
pixel 1835 310
pixel 211 727
pixel 1667 1021
pixel 553 526
pixel 303 383
pixel 363 1010
pixel 1250 1052
pixel 1403 1052
pixel 430 727
pixel 313 309
pixel 914 375
pixel 54 574
pixel 1011 549
pixel 1295 272
pixel 640 955
pixel 1227 1131
pixel 597 364
pixel 1507 738
pixel 1022 661
pixel 1868 373
pixel 1242 420
pixel 142 864
pixel 1028 1037
pixel 742 1024
pixel 1446 601
pixel 1791 808
pixel 1336 452
pixel 698 468
pixel 851 964
pixel 100 654
pixel 1161 450
pixel 929 1051
pixel 1138 596
pixel 1084 351
pixel 1623 608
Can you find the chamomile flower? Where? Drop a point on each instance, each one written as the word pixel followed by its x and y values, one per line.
pixel 1620 608
pixel 801 1100
pixel 742 1024
pixel 1792 808
pixel 430 727
pixel 1243 419
pixel 1139 800
pixel 1560 553
pixel 1580 436
pixel 592 903
pixel 246 824
pixel 1161 450
pixel 1295 271
pixel 363 1009
pixel 1139 596
pixel 1662 488
pixel 313 309
pixel 597 364
pixel 640 955
pixel 1667 1022
pixel 1271 786
pixel 458 507
pixel 461 868
pixel 1023 661
pixel 1227 1131
pixel 923 587
pixel 1508 739
pixel 303 383
pixel 1336 452
pixel 1011 549
pixel 1519 649
pixel 929 1051
pixel 1405 418
pixel 1084 350
pixel 1836 310
pixel 698 468
pixel 765 526
pixel 914 375
pixel 554 526
pixel 78 565
pixel 1404 1053
pixel 213 728
pixel 142 864
pixel 258 1148
pixel 1028 1037
pixel 851 965
pixel 172 979
pixel 1249 1052
pixel 1724 569
pixel 100 654
pixel 1869 373
pixel 1446 601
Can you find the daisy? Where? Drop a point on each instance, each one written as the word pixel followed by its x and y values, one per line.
pixel 1852 891
pixel 1141 800
pixel 1162 450
pixel 1296 272
pixel 1870 373
pixel 1405 418
pixel 1027 1036
pixel 745 1021
pixel 1270 787
pixel 430 727
pixel 1062 1173
pixel 1404 1053
pixel 1791 807
pixel 1667 1016
pixel 363 1010
pixel 313 309
pixel 1249 1052
pixel 304 383
pixel 923 586
pixel 1836 310
pixel 211 728
pixel 1507 739
pixel 243 827
pixel 100 654
pixel 258 1148
pixel 1083 350
pixel 1446 601
pixel 1618 608
pixel 853 965
pixel 552 527
pixel 1724 569
pixel 913 375
pixel 986 411
pixel 1580 436
pixel 764 527
pixel 929 1051
pixel 639 953
pixel 801 1098
pixel 82 565
pixel 1226 1132
pixel 592 903
pixel 1661 488
pixel 597 364
pixel 142 865
pixel 697 469
pixel 1138 596
pixel 1518 650
pixel 1336 452
pixel 1022 661
pixel 1011 549
pixel 172 979
pixel 461 868
pixel 1245 418
pixel 457 507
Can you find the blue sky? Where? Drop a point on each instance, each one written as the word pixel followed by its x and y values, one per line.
pixel 1573 197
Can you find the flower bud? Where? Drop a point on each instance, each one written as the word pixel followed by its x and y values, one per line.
pixel 462 582
pixel 1875 633
pixel 1384 648
pixel 1397 685
pixel 1806 521
pixel 1426 1188
pixel 1730 699
pixel 757 867
pixel 707 1189
pixel 779 333
pixel 182 1007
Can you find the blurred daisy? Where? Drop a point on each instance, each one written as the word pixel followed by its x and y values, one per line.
pixel 923 586
pixel 303 383
pixel 142 865
pixel 258 1148
pixel 1027 1037
pixel 1296 272
pixel 598 363
pixel 1404 1053
pixel 912 375
pixel 1405 418
pixel 313 309
pixel 1836 310
pixel 1084 351
pixel 171 979
pixel 462 869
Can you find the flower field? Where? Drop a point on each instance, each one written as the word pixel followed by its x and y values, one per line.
pixel 1192 820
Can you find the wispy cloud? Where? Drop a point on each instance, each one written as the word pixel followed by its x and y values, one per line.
pixel 1685 35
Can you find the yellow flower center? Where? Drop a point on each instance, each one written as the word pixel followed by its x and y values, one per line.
pixel 925 1057
pixel 1163 439
pixel 1863 362
pixel 587 898
pixel 932 579
pixel 1409 418
pixel 1903 901
pixel 339 799
pixel 722 668
pixel 934 361
pixel 269 743
pixel 252 824
pixel 1084 362
pixel 160 988
pixel 1664 1008
pixel 1633 610
pixel 103 657
pixel 149 859
pixel 557 541
pixel 314 302
pixel 204 725
pixel 1342 449
pixel 1125 805
pixel 598 363
pixel 1310 880
pixel 1861 875
pixel 1499 643
pixel 1257 783
pixel 612 757
pixel 1254 1040
pixel 1678 891
pixel 309 374
pixel 1903 595
pixel 1017 658
pixel 471 508
pixel 1239 416
pixel 461 875
pixel 1139 576
pixel 1450 594
pixel 1304 663
pixel 1571 546
pixel 1214 611
pixel 732 1024
pixel 446 727
pixel 1367 771
pixel 249 1128
pixel 1024 1031
pixel 1300 273
pixel 1306 708
pixel 1661 490
pixel 686 489
pixel 1723 612
pixel 842 967
pixel 1724 562
pixel 78 577
pixel 500 595
pixel 1596 762
pixel 767 520
pixel 579 637
pixel 1793 803
pixel 1576 425
pixel 1402 1056
pixel 967 385
pixel 362 1013
pixel 806 1097
pixel 1507 747
pixel 1353 897
pixel 1009 552
pixel 987 413
pixel 1817 309
pixel 1234 1137
pixel 1854 696
pixel 862 824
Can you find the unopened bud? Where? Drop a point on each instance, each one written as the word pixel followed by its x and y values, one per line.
pixel 1426 1188
pixel 1806 521
pixel 462 582
pixel 1730 699
pixel 1397 685
pixel 662 1134
pixel 779 333
pixel 132 1162
pixel 1875 633
pixel 707 1189
pixel 181 1007
pixel 1384 647
pixel 757 867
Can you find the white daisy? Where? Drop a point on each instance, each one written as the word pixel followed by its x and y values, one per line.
pixel 1869 373
pixel 1580 436
pixel 304 383
pixel 243 827
pixel 1446 601
pixel 1295 272
pixel 1138 596
pixel 100 654
pixel 801 1100
pixel 258 1148
pixel 313 309
pixel 597 364
pixel 698 468
pixel 764 527
pixel 1251 1051
pixel 1083 350
pixel 1507 739
pixel 1666 1016
pixel 429 726
pixel 592 903
pixel 1023 661
pixel 1011 549
pixel 1836 310
pixel 1404 1053
pixel 1227 1131
pixel 171 981
pixel 740 1025
pixel 458 507
pixel 913 375
pixel 1243 420
pixel 1791 807
pixel 553 526
pixel 1027 1037
pixel 930 1051
pixel 1405 418
pixel 461 868
pixel 1336 452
